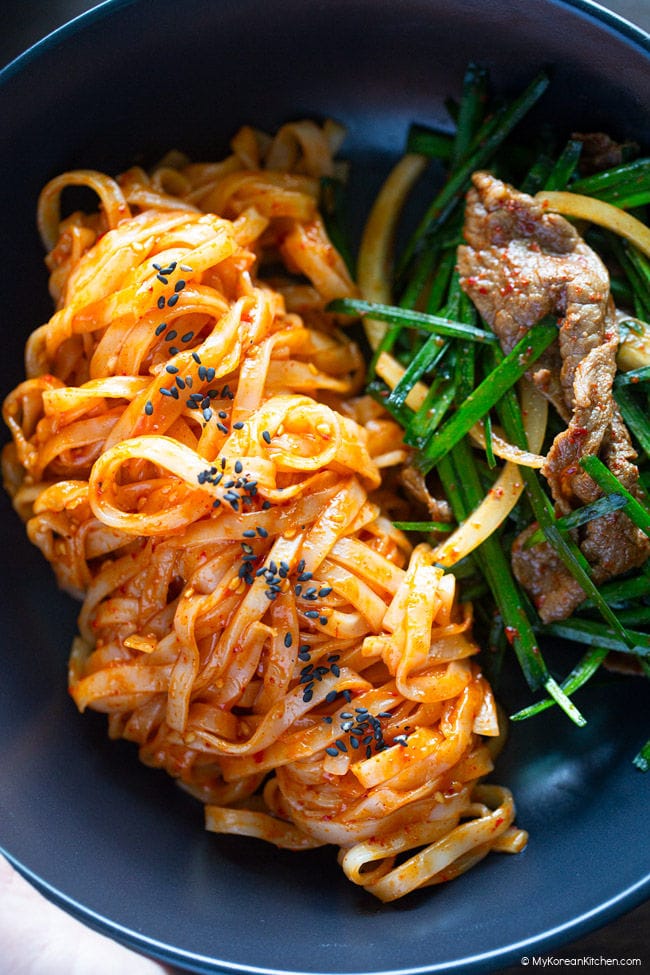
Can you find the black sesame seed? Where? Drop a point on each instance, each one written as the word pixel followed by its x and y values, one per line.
pixel 327 719
pixel 174 350
pixel 180 382
pixel 262 532
pixel 288 639
pixel 342 747
pixel 161 328
pixel 171 369
pixel 221 427
pixel 238 467
pixel 171 336
pixel 266 436
pixel 196 357
pixel 187 337
pixel 336 670
pixel 266 505
pixel 148 407
pixel 162 279
pixel 165 391
pixel 323 622
pixel 171 301
pixel 249 533
pixel 180 284
pixel 325 591
pixel 216 504
pixel 210 374
pixel 332 696
pixel 202 371
pixel 161 301
pixel 238 425
pixel 312 614
pixel 332 751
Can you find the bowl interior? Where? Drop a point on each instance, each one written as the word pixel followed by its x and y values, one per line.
pixel 117 843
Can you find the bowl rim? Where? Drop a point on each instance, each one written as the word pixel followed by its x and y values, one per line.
pixel 539 944
pixel 630 31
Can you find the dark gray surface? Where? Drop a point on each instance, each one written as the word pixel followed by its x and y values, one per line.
pixel 311 921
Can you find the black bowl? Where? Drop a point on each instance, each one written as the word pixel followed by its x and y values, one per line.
pixel 117 844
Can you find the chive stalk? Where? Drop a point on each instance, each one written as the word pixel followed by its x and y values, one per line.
pixel 427 142
pixel 395 315
pixel 581 673
pixel 596 509
pixel 488 392
pixel 610 484
pixel 423 526
pixel 642 759
pixel 490 136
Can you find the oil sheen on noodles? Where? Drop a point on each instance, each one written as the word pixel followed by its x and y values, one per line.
pixel 193 454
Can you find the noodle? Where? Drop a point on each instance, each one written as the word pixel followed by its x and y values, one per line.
pixel 192 455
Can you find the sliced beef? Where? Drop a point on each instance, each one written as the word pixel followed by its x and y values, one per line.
pixel 543 575
pixel 600 151
pixel 416 488
pixel 520 264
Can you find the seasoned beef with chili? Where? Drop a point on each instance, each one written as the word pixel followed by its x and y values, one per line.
pixel 520 264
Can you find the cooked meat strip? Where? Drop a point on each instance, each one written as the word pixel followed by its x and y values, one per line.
pixel 415 486
pixel 599 151
pixel 520 264
pixel 541 572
